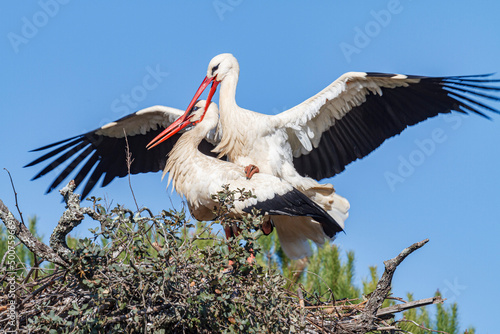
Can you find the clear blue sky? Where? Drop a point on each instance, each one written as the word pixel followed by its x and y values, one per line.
pixel 68 69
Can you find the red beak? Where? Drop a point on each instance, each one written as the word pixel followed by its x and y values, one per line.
pixel 200 91
pixel 182 121
pixel 175 127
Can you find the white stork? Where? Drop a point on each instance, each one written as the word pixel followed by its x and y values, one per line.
pixel 198 176
pixel 345 121
pixel 101 153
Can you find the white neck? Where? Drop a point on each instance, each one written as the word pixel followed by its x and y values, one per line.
pixel 227 94
pixel 187 145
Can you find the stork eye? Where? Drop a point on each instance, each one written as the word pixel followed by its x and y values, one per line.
pixel 194 108
pixel 215 68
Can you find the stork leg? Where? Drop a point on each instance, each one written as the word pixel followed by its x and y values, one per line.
pixel 250 170
pixel 229 230
pixel 267 226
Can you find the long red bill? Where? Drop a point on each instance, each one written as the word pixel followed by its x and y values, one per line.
pixel 181 123
pixel 215 83
pixel 200 91
pixel 175 127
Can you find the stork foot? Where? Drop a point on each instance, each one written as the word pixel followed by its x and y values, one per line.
pixel 250 170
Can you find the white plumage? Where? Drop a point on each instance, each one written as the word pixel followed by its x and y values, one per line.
pixel 345 121
pixel 198 176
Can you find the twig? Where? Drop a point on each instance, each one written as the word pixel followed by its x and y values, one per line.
pixel 7 253
pixel 321 279
pixel 301 304
pixel 129 164
pixel 15 195
pixel 397 298
pixel 421 326
pixel 390 328
pixel 140 312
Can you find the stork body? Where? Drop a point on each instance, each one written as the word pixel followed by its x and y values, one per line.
pixel 198 176
pixel 253 138
pixel 267 146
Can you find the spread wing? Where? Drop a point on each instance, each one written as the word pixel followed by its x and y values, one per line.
pixel 103 152
pixel 356 113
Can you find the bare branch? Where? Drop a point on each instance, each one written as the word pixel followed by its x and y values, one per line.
pixel 24 235
pixel 370 317
pixel 389 311
pixel 384 284
pixel 71 218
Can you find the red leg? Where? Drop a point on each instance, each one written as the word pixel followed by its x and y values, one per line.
pixel 267 227
pixel 229 234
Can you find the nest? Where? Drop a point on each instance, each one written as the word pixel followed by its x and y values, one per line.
pixel 148 277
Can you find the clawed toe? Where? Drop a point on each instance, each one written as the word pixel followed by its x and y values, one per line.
pixel 250 170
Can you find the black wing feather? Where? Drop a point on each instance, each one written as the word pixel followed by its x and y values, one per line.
pixel 367 126
pixel 104 155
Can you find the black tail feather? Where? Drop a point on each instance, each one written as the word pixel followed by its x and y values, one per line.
pixel 295 203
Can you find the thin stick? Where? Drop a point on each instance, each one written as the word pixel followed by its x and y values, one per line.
pixel 421 326
pixel 15 195
pixel 129 163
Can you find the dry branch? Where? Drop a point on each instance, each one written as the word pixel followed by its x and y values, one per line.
pixel 391 310
pixel 24 235
pixel 58 251
pixel 71 218
pixel 369 317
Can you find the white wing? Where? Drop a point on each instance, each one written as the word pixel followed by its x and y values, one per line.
pixel 103 150
pixel 357 112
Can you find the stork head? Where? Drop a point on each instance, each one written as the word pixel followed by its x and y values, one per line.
pixel 198 113
pixel 221 65
pixel 195 115
pixel 218 69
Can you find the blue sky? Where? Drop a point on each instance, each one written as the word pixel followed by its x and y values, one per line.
pixel 68 67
